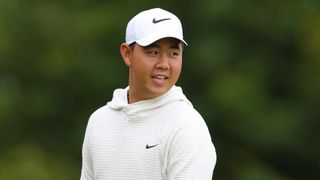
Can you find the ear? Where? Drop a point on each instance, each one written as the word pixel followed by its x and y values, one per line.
pixel 126 53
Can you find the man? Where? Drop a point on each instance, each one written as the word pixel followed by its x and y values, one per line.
pixel 149 130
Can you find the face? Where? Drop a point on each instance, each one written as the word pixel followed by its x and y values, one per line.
pixel 153 69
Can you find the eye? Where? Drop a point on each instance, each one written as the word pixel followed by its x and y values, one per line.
pixel 174 53
pixel 152 52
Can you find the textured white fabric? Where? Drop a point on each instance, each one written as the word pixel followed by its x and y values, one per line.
pixel 163 138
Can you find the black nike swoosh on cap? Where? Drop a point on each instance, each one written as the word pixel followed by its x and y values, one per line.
pixel 159 20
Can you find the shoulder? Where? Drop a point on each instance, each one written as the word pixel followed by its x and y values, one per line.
pixel 184 120
pixel 100 111
pixel 98 120
pixel 184 114
pixel 99 116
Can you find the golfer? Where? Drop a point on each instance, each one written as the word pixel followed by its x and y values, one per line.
pixel 149 130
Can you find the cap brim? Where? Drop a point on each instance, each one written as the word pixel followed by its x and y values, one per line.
pixel 147 40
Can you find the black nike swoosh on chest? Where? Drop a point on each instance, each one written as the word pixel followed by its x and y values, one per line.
pixel 148 147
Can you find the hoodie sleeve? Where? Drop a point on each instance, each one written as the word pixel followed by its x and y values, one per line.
pixel 192 154
pixel 87 166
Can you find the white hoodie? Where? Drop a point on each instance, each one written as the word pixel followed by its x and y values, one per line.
pixel 163 138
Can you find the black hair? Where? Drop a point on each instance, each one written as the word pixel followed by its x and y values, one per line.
pixel 132 45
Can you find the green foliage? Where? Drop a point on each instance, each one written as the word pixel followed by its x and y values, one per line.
pixel 28 161
pixel 251 69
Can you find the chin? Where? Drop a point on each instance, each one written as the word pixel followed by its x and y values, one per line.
pixel 158 91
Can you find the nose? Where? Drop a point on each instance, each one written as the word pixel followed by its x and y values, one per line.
pixel 163 63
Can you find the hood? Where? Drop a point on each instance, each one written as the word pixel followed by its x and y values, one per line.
pixel 120 102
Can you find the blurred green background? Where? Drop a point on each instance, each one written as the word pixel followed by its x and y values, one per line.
pixel 251 69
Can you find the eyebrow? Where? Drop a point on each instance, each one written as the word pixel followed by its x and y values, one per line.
pixel 176 46
pixel 173 46
pixel 153 45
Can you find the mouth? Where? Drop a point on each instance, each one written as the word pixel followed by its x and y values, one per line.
pixel 160 77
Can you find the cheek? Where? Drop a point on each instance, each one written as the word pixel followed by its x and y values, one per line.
pixel 177 66
pixel 177 74
pixel 141 70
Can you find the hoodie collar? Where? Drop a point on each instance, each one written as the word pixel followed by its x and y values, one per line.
pixel 120 102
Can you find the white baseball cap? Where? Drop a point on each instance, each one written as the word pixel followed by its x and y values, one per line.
pixel 151 25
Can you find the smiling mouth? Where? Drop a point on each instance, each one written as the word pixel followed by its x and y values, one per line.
pixel 160 77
